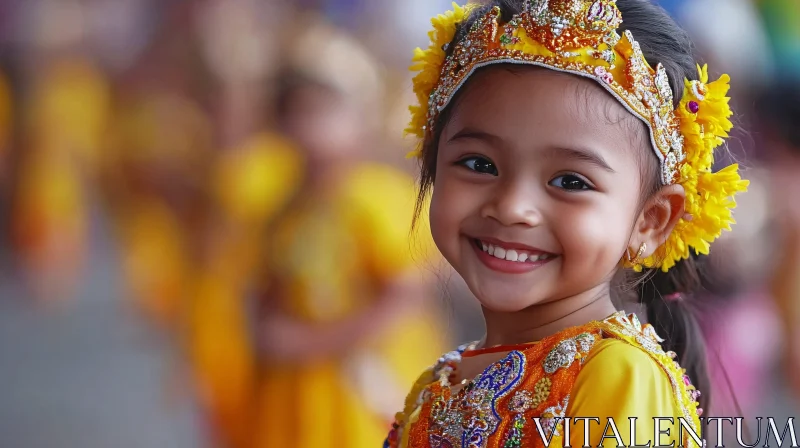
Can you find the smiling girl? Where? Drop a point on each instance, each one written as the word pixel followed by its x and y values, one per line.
pixel 566 144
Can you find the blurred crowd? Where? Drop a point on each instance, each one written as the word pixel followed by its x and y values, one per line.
pixel 248 159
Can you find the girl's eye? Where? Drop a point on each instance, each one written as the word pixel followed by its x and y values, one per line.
pixel 479 164
pixel 570 182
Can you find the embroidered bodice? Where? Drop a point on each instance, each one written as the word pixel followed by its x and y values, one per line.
pixel 500 406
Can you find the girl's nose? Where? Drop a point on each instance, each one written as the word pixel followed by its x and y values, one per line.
pixel 514 203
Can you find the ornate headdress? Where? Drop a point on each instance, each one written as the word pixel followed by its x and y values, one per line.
pixel 580 37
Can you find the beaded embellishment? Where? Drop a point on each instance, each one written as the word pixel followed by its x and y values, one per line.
pixel 563 354
pixel 519 404
pixel 553 417
pixel 447 363
pixel 470 417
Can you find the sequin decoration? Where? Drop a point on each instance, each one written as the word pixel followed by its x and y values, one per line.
pixel 698 90
pixel 553 417
pixel 541 391
pixel 569 24
pixel 519 404
pixel 565 353
pixel 446 364
pixel 645 335
pixel 470 417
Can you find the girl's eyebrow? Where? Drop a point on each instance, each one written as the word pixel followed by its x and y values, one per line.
pixel 470 133
pixel 583 154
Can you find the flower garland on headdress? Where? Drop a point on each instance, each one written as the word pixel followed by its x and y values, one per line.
pixel 428 63
pixel 582 39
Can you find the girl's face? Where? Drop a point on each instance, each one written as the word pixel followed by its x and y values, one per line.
pixel 540 166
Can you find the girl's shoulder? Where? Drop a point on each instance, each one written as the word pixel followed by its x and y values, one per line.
pixel 628 374
pixel 632 345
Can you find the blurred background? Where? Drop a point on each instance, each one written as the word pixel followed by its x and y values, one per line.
pixel 206 212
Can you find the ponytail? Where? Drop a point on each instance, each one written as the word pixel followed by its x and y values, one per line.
pixel 668 299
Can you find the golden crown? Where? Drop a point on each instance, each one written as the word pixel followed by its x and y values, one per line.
pixel 580 37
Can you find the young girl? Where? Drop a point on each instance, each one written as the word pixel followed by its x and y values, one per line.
pixel 562 147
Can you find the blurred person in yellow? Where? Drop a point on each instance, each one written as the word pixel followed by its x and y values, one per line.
pixel 257 169
pixel 176 273
pixel 5 126
pixel 154 176
pixel 160 179
pixel 64 121
pixel 249 183
pixel 253 174
pixel 345 311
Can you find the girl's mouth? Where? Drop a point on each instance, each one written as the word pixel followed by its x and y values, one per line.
pixel 510 260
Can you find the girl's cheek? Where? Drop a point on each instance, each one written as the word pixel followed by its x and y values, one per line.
pixel 447 211
pixel 438 218
pixel 589 228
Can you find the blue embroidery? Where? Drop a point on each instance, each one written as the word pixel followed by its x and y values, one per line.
pixel 470 417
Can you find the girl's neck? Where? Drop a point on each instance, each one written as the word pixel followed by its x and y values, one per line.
pixel 541 320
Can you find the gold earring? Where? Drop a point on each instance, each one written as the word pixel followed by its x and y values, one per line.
pixel 636 262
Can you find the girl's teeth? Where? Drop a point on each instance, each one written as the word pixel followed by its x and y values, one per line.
pixel 511 255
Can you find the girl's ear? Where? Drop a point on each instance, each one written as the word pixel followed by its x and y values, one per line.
pixel 658 217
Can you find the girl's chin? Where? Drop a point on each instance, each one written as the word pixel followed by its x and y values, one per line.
pixel 506 294
pixel 504 303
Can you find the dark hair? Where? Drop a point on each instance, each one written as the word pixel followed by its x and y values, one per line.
pixel 662 41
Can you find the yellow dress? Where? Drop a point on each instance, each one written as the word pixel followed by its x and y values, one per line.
pixel 186 275
pixel 606 370
pixel 249 184
pixel 6 102
pixel 152 138
pixel 155 259
pixel 331 254
pixel 63 128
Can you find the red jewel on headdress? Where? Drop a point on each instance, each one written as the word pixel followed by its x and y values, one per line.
pixel 693 107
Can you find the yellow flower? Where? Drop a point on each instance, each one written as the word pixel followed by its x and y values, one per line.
pixel 709 196
pixel 428 65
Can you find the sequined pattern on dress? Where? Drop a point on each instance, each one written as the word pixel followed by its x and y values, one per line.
pixel 565 353
pixel 470 417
